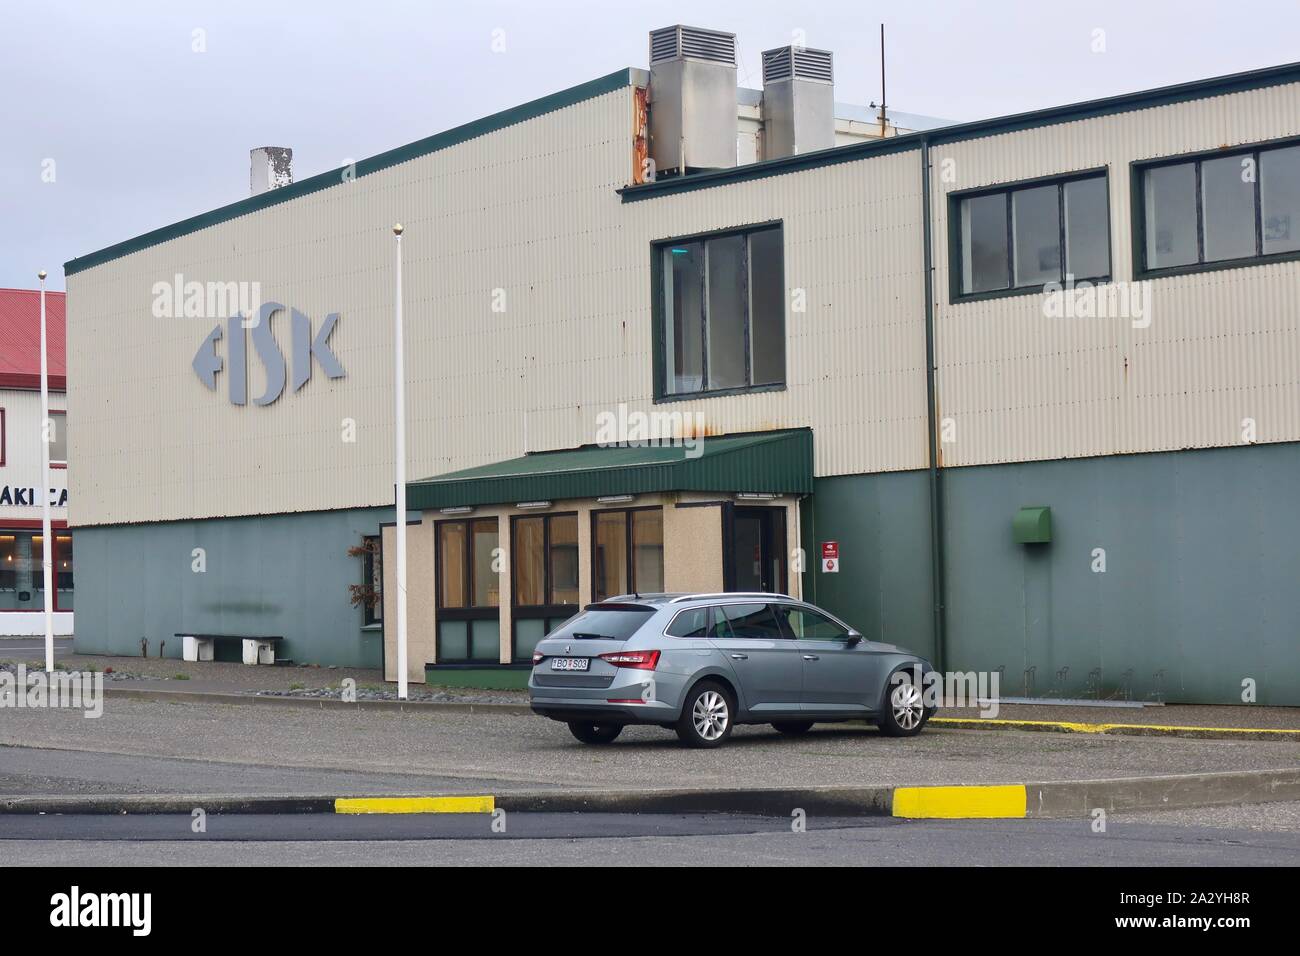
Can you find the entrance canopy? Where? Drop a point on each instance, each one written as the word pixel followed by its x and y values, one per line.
pixel 773 462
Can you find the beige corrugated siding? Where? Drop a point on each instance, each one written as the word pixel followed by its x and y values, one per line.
pixel 531 210
pixel 1222 346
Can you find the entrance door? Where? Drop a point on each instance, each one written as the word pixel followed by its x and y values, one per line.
pixel 755 549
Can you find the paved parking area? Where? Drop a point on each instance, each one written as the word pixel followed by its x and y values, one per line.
pixel 201 745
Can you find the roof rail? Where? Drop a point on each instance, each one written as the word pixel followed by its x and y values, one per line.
pixel 731 594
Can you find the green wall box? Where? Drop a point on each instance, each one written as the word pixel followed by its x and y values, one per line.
pixel 1032 525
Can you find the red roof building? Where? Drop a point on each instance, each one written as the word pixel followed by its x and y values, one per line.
pixel 20 339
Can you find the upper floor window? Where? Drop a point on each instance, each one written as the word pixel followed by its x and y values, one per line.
pixel 721 312
pixel 58 438
pixel 1219 209
pixel 1022 237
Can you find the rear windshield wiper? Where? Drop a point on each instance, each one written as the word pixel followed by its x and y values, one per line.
pixel 577 635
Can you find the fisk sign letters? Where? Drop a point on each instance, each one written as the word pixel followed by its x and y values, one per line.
pixel 207 362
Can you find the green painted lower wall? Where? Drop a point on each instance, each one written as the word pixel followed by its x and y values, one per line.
pixel 488 678
pixel 1199 592
pixel 277 574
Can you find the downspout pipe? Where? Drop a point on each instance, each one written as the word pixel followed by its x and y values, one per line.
pixel 938 586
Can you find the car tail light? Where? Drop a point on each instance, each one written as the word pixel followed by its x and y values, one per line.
pixel 538 657
pixel 640 660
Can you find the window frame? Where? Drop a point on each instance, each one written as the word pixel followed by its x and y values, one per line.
pixel 660 325
pixel 1137 204
pixel 629 564
pixel 468 613
pixel 955 198
pixel 3 436
pixel 33 528
pixel 559 613
pixel 368 566
pixel 60 463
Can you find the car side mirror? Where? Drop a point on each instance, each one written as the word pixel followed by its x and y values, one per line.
pixel 854 639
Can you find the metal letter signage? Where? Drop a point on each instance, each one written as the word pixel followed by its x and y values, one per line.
pixel 207 362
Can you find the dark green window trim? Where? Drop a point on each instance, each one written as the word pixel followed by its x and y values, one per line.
pixel 1137 192
pixel 1060 180
pixel 469 612
pixel 551 614
pixel 659 348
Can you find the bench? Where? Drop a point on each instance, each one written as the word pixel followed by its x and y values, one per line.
pixel 258 649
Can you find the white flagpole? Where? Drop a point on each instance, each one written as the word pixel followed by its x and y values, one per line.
pixel 47 542
pixel 399 415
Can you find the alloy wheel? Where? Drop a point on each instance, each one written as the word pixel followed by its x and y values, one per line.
pixel 907 706
pixel 709 715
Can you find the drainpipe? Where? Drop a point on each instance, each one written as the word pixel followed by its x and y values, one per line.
pixel 936 488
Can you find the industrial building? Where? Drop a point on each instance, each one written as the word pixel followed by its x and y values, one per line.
pixel 1017 394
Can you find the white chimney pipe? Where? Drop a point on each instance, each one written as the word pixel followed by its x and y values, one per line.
pixel 270 167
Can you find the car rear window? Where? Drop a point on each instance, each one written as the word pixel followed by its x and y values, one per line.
pixel 615 623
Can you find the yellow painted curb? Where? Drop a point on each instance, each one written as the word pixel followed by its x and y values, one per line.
pixel 415 804
pixel 1083 728
pixel 960 803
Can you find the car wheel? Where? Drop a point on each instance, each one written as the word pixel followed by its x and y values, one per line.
pixel 594 733
pixel 708 713
pixel 793 728
pixel 904 712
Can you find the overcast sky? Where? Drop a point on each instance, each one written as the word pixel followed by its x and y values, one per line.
pixel 142 130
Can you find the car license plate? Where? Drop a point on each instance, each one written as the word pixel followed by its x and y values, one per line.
pixel 569 663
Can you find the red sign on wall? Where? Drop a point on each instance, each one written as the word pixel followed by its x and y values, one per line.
pixel 830 557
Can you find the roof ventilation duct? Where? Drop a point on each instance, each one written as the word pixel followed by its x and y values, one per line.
pixel 692 100
pixel 798 101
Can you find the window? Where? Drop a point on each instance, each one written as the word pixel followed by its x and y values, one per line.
pixel 808 625
pixel 722 312
pixel 628 552
pixel 468 589
pixel 747 622
pixel 58 438
pixel 617 623
pixel 1219 209
pixel 22 577
pixel 1020 238
pixel 370 593
pixel 545 578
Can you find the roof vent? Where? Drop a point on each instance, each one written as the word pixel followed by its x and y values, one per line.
pixel 798 101
pixel 712 46
pixel 692 100
pixel 269 167
pixel 792 62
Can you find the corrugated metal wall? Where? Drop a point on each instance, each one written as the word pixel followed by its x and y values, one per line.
pixel 22 453
pixel 532 211
pixel 1221 346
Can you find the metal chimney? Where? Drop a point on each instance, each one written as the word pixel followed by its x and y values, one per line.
pixel 692 100
pixel 798 101
pixel 270 167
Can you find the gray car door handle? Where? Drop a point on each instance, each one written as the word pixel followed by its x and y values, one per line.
pixel 740 657
pixel 811 657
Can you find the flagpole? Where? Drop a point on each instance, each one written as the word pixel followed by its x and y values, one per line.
pixel 47 543
pixel 399 416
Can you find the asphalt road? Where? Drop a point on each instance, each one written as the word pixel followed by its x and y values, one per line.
pixel 632 840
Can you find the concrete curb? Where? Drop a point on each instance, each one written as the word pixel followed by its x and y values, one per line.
pixel 1066 799
pixel 314 703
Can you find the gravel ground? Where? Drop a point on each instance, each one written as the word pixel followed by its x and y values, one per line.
pixel 415 692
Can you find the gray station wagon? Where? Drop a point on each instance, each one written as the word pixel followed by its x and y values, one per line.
pixel 702 663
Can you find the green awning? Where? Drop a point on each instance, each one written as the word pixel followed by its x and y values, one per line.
pixel 775 462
